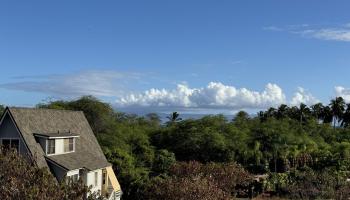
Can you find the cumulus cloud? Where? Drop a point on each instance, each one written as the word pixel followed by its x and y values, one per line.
pixel 303 96
pixel 343 92
pixel 215 95
pixel 335 32
pixel 94 82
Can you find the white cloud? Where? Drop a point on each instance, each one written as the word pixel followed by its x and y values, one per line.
pixel 302 96
pixel 97 83
pixel 273 28
pixel 343 92
pixel 335 33
pixel 215 95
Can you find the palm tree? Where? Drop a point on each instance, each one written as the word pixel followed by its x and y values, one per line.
pixel 303 110
pixel 317 111
pixel 173 117
pixel 327 115
pixel 346 117
pixel 271 112
pixel 337 106
pixel 282 111
pixel 262 116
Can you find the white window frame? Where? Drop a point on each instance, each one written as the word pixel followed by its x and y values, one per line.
pixel 70 178
pixel 19 142
pixel 70 174
pixel 47 146
pixel 95 179
pixel 64 150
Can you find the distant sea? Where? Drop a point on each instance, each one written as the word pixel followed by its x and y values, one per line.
pixel 184 116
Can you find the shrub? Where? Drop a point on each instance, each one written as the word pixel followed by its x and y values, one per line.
pixel 19 179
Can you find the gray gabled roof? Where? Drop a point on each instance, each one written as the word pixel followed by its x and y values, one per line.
pixel 88 153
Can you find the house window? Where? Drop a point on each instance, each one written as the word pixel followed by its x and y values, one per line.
pixel 10 144
pixel 50 146
pixel 69 145
pixel 74 178
pixel 6 144
pixel 96 178
pixel 104 174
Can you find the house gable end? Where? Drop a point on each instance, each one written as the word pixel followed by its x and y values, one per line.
pixel 9 130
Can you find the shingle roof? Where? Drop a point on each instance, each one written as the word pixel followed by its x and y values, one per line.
pixel 88 152
pixel 57 134
pixel 76 160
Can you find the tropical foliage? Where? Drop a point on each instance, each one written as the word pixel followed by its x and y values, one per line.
pixel 302 151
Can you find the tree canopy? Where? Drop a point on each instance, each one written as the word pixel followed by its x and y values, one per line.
pixel 287 144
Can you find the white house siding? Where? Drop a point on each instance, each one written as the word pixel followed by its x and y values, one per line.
pixel 8 130
pixel 73 172
pixel 91 180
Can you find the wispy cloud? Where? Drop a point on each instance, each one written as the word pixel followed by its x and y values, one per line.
pixel 94 82
pixel 237 62
pixel 272 28
pixel 335 32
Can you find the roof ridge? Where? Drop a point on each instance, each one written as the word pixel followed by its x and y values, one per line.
pixel 50 109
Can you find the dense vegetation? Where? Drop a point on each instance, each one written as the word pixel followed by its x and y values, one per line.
pixel 303 152
pixel 21 179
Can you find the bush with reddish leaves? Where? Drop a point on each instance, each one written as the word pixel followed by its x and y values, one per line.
pixel 193 180
pixel 19 179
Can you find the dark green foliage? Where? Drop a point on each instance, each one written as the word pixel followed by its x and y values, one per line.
pixel 202 140
pixel 163 161
pixel 285 141
pixel 173 118
pixel 337 106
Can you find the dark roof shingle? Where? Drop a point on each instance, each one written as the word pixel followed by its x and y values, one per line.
pixel 57 134
pixel 87 153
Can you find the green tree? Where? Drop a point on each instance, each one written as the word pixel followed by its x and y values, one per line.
pixel 154 119
pixel 163 161
pixel 173 118
pixel 303 111
pixel 337 106
pixel 346 117
pixel 98 113
pixel 282 111
pixel 327 115
pixel 317 111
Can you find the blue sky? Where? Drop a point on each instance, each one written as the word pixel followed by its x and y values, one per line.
pixel 195 56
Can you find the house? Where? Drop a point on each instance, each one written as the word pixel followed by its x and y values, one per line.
pixel 61 141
